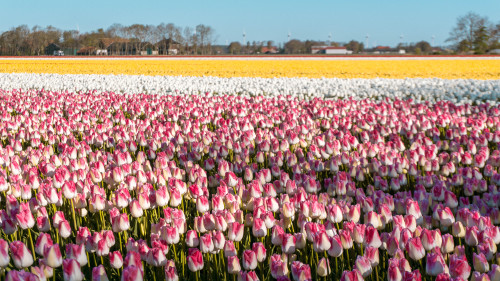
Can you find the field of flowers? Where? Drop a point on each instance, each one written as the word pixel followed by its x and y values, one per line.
pixel 403 68
pixel 133 177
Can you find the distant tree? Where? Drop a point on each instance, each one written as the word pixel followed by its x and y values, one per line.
pixel 308 44
pixel 189 39
pixel 354 46
pixel 206 37
pixel 294 46
pixel 270 43
pixel 469 31
pixel 424 47
pixel 463 46
pixel 481 38
pixel 234 48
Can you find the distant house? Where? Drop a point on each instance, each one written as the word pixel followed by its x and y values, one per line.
pixel 330 50
pixel 147 49
pixel 168 47
pixel 52 49
pixel 385 50
pixel 494 52
pixel 269 50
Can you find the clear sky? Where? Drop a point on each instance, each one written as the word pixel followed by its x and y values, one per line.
pixel 384 21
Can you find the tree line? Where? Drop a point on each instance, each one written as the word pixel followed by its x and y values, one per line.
pixel 472 33
pixel 22 40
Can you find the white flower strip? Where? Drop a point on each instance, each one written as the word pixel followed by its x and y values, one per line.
pixel 459 91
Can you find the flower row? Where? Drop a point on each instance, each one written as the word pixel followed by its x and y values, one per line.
pixel 420 90
pixel 401 68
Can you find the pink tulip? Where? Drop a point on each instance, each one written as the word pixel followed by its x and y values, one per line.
pixel 42 241
pixel 412 276
pixel 14 275
pixel 248 276
pixel 52 255
pixel 76 252
pixel 448 244
pixel 300 271
pixel 494 273
pixel 192 240
pixel 233 265
pixel 229 249
pixel 206 243
pixel 364 266
pixel 195 260
pixel 235 231
pixel 20 255
pixel 288 244
pixel 415 249
pixel 156 257
pixel 435 264
pixel 64 229
pixel 480 263
pixel 353 275
pixel 249 260
pixel 323 268
pixel 336 248
pixel 171 273
pixel 372 237
pixel 259 228
pixel 260 251
pixel 132 273
pixel 99 273
pixel 394 273
pixel 459 267
pixel 71 270
pixel 4 253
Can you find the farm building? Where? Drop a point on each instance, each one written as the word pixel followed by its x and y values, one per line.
pixel 52 49
pixel 330 50
pixel 168 47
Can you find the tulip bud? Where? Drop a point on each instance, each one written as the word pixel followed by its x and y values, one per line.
pixel 415 249
pixel 20 255
pixel 171 273
pixel 99 273
pixel 323 267
pixel 116 259
pixel 260 251
pixel 4 253
pixel 233 265
pixel 52 255
pixel 132 273
pixel 480 263
pixel 459 267
pixel 195 260
pixel 64 229
pixel 76 252
pixel 435 264
pixel 71 270
pixel 192 240
pixel 249 260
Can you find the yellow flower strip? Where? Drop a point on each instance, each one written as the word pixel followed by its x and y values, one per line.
pixel 448 69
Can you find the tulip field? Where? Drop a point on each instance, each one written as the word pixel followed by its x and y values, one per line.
pixel 147 170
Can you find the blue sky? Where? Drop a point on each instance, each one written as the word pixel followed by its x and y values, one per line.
pixel 384 20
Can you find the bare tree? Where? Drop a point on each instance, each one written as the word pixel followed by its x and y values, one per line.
pixel 466 29
pixel 205 35
pixel 139 32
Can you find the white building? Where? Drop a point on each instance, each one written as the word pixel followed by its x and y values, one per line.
pixel 329 50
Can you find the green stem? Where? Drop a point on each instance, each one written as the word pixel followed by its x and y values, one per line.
pixel 32 247
pixel 73 213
